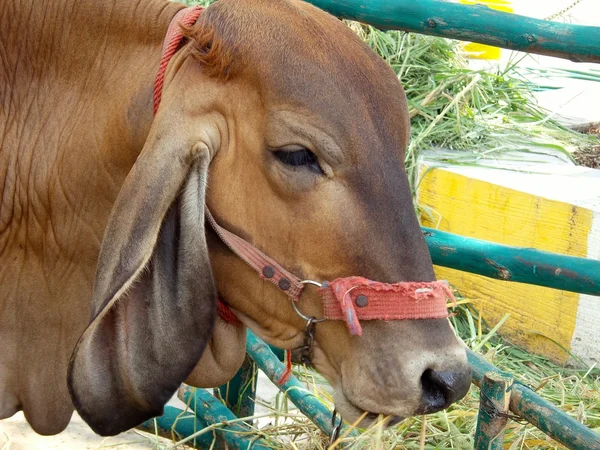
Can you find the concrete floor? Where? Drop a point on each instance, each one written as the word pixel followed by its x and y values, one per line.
pixel 16 434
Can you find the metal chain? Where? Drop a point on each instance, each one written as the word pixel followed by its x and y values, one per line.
pixel 335 429
pixel 563 11
pixel 306 351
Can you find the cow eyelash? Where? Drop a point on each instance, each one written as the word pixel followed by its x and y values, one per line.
pixel 299 158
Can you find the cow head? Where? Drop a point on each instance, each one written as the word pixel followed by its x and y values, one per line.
pixel 292 131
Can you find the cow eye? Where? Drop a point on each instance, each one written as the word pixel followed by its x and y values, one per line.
pixel 299 157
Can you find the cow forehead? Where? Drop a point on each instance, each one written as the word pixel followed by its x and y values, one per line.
pixel 306 58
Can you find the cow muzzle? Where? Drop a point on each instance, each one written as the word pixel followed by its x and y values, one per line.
pixel 400 369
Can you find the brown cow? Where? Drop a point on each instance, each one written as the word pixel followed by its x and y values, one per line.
pixel 302 129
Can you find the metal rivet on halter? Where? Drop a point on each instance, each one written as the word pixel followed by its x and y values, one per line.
pixel 361 301
pixel 268 272
pixel 284 284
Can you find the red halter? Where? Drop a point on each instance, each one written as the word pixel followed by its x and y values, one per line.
pixel 351 299
pixel 186 17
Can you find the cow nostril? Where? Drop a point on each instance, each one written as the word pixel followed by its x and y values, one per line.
pixel 434 391
pixel 441 389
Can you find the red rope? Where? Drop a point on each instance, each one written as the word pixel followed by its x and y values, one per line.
pixel 227 314
pixel 285 376
pixel 184 17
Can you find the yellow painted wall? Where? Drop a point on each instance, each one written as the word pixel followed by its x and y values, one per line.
pixel 475 208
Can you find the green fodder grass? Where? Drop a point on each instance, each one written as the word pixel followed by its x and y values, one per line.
pixel 480 112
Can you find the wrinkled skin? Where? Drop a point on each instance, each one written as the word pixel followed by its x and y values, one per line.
pixel 103 204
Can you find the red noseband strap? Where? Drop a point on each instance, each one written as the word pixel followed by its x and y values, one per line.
pixel 350 299
pixel 355 298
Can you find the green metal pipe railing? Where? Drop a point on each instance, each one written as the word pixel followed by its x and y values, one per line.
pixel 237 435
pixel 523 265
pixel 208 410
pixel 524 403
pixel 534 409
pixel 177 424
pixel 475 23
pixel 495 390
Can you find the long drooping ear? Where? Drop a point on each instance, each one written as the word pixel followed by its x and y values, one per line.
pixel 154 300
